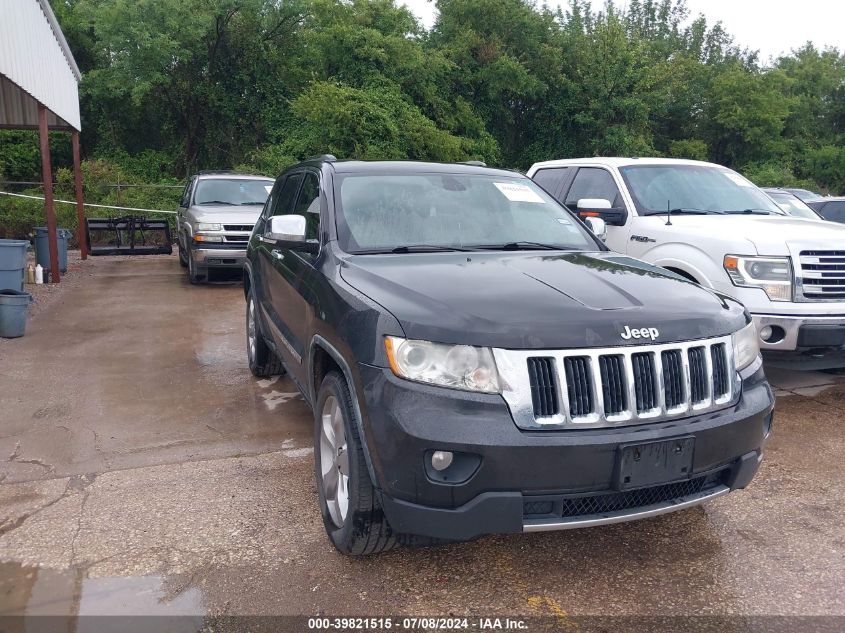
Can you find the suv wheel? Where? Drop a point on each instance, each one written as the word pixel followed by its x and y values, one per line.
pixel 263 362
pixel 196 275
pixel 183 256
pixel 353 518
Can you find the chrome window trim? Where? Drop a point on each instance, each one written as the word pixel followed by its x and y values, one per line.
pixel 516 389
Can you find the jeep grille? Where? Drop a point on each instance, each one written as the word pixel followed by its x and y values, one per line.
pixel 617 386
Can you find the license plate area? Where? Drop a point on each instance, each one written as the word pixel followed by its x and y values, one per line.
pixel 652 463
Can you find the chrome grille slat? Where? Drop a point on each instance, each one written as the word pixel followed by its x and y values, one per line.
pixel 617 386
pixel 822 275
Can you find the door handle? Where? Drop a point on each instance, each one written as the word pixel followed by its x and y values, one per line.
pixel 277 254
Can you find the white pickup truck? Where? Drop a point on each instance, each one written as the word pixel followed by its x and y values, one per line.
pixel 713 226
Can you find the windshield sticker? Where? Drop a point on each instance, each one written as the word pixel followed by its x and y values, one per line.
pixel 739 180
pixel 269 188
pixel 516 192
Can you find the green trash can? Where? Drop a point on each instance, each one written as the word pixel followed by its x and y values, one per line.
pixel 13 307
pixel 42 247
pixel 12 263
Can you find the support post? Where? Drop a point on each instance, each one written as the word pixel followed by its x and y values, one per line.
pixel 82 234
pixel 49 205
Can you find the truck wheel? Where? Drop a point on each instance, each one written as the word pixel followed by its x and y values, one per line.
pixel 196 275
pixel 263 361
pixel 353 518
pixel 183 256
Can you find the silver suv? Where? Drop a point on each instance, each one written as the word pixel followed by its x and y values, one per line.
pixel 216 215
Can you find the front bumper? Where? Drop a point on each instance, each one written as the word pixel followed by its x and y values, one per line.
pixel 223 256
pixel 508 480
pixel 796 333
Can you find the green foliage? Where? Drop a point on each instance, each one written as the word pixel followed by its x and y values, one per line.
pixel 692 148
pixel 172 86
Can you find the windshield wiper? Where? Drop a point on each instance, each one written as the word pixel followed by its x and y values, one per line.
pixel 524 245
pixel 687 211
pixel 413 248
pixel 752 211
pixel 252 202
pixel 231 204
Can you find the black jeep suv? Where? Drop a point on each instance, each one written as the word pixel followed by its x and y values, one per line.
pixel 479 362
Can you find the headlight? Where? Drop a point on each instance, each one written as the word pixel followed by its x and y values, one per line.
pixel 203 226
pixel 456 366
pixel 746 346
pixel 772 274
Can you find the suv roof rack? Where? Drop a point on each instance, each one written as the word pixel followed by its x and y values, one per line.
pixel 475 163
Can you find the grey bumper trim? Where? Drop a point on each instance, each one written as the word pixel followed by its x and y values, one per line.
pixel 791 325
pixel 643 512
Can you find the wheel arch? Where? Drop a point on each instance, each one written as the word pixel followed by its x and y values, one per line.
pixel 323 357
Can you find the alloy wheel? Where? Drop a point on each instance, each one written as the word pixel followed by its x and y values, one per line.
pixel 334 461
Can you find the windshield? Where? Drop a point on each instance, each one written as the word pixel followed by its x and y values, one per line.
pixel 452 211
pixel 235 191
pixel 793 205
pixel 656 188
pixel 805 195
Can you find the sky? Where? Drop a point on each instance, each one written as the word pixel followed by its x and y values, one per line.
pixel 772 27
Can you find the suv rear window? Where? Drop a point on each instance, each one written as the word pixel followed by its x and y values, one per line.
pixel 381 212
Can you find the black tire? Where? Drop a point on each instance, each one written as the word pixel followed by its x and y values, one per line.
pixel 196 274
pixel 183 256
pixel 364 529
pixel 263 361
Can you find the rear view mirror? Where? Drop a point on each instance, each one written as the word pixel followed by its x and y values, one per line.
pixel 601 208
pixel 597 226
pixel 287 228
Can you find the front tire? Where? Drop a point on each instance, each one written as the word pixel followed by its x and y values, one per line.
pixel 183 256
pixel 263 362
pixel 196 275
pixel 352 516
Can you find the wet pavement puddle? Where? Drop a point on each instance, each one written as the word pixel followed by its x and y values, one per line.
pixel 42 599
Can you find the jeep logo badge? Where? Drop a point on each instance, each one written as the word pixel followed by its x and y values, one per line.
pixel 645 332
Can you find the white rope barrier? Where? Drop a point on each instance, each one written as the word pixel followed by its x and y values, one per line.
pixel 87 204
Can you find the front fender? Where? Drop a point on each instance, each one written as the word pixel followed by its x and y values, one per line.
pixel 688 259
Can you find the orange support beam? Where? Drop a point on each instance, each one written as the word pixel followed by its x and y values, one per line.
pixel 81 235
pixel 49 205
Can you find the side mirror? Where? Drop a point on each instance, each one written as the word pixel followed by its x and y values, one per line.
pixel 601 208
pixel 184 202
pixel 289 230
pixel 597 226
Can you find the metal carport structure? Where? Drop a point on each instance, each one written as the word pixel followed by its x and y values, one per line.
pixel 39 89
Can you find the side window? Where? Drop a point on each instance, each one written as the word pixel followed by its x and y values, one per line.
pixel 594 182
pixel 551 179
pixel 834 211
pixel 283 200
pixel 186 194
pixel 308 205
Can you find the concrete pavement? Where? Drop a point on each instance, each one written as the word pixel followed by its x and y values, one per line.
pixel 145 471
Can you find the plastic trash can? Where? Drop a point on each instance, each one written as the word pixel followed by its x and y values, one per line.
pixel 13 307
pixel 42 247
pixel 12 263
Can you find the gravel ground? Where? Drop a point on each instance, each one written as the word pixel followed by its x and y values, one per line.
pixel 144 471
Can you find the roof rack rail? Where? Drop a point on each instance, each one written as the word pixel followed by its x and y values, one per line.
pixel 328 158
pixel 475 163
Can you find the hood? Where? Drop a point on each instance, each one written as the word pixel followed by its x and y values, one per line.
pixel 226 213
pixel 538 301
pixel 768 234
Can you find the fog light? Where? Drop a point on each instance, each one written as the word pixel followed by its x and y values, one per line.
pixel 766 332
pixel 441 460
